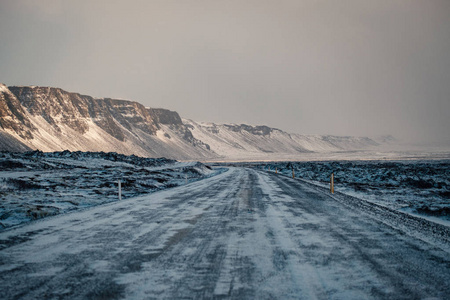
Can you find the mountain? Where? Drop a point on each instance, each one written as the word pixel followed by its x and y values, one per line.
pixel 51 119
pixel 244 142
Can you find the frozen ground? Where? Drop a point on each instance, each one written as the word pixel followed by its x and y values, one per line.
pixel 243 234
pixel 385 153
pixel 34 185
pixel 420 187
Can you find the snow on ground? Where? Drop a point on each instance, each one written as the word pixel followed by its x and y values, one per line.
pixel 419 187
pixel 243 234
pixel 34 185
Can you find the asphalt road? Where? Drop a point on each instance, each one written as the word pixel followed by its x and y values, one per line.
pixel 243 234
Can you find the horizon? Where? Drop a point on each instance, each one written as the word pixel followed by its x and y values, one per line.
pixel 347 69
pixel 376 138
pixel 201 122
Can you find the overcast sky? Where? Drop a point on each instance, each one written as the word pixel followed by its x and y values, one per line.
pixel 362 68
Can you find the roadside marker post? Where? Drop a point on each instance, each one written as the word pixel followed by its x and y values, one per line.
pixel 293 173
pixel 120 190
pixel 332 183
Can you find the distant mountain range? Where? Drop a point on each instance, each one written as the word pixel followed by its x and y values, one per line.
pixel 51 119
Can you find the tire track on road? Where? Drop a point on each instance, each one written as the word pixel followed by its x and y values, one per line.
pixel 396 260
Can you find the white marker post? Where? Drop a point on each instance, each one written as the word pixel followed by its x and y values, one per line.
pixel 332 183
pixel 120 190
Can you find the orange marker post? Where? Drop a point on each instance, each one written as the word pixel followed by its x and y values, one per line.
pixel 332 183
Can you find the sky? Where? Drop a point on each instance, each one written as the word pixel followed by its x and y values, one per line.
pixel 348 67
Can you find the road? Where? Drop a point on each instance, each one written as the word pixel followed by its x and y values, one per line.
pixel 243 234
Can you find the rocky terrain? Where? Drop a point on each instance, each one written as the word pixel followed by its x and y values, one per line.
pixel 34 184
pixel 420 186
pixel 51 119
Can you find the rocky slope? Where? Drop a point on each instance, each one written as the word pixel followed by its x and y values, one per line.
pixel 244 142
pixel 51 119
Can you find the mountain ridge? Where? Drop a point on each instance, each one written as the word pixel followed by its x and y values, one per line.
pixel 52 119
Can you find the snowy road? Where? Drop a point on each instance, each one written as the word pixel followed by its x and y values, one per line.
pixel 243 234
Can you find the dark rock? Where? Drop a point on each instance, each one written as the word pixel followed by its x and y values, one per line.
pixel 165 116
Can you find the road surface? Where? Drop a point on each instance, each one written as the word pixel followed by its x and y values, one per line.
pixel 243 234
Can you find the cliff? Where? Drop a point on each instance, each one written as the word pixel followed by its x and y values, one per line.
pixel 51 119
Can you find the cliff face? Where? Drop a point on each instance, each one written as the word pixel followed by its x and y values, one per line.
pixel 165 116
pixel 58 107
pixel 12 115
pixel 255 130
pixel 51 119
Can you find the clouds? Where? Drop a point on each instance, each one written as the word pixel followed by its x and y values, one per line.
pixel 348 68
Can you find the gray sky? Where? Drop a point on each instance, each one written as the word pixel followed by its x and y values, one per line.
pixel 315 67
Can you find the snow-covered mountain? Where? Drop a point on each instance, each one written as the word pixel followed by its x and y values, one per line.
pixel 51 119
pixel 246 142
